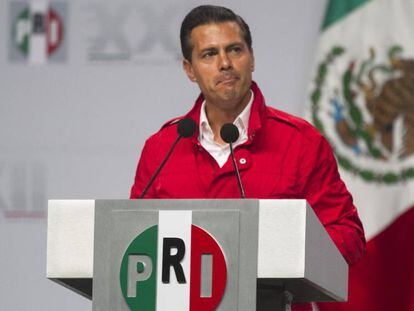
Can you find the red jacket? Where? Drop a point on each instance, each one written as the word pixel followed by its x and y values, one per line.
pixel 284 157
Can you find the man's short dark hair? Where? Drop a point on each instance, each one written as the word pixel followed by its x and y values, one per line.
pixel 209 14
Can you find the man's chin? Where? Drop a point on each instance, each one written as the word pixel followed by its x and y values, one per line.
pixel 229 99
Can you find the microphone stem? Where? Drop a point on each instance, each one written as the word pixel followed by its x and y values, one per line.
pixel 144 192
pixel 237 172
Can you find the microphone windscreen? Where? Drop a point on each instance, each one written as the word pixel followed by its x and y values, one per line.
pixel 186 127
pixel 229 133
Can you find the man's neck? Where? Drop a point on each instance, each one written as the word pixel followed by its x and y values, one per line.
pixel 217 117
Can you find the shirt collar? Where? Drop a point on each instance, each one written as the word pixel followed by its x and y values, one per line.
pixel 242 120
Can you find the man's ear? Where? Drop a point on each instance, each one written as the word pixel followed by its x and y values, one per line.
pixel 188 68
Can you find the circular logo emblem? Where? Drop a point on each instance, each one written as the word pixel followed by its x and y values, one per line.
pixel 48 25
pixel 365 108
pixel 139 277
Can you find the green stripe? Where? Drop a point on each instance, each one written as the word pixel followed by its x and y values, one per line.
pixel 143 244
pixel 338 9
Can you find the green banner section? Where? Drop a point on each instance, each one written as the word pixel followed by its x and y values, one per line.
pixel 337 9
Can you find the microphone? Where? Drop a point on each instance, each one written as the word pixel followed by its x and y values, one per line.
pixel 185 128
pixel 229 133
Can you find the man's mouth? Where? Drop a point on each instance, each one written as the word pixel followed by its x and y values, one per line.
pixel 228 80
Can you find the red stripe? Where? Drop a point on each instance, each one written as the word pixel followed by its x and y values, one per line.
pixel 203 243
pixel 384 278
pixel 53 17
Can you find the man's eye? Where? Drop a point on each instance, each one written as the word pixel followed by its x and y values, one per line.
pixel 208 54
pixel 236 49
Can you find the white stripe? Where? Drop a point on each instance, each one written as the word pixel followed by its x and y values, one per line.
pixel 174 296
pixel 54 32
pixel 37 42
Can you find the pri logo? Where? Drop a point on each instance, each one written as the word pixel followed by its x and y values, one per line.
pixel 23 188
pixel 37 32
pixel 170 268
pixel 367 112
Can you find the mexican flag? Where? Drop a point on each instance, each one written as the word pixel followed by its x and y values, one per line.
pixel 362 99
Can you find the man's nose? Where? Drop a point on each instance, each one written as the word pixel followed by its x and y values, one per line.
pixel 225 62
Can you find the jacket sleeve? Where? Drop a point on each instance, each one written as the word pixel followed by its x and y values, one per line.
pixel 330 199
pixel 145 169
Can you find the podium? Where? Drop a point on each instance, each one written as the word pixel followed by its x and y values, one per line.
pixel 193 254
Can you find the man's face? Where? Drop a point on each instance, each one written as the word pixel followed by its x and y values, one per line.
pixel 221 64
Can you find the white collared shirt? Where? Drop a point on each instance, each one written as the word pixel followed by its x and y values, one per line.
pixel 221 152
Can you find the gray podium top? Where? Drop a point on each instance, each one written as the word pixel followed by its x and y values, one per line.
pixel 293 248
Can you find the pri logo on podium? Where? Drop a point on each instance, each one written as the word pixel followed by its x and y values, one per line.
pixel 174 265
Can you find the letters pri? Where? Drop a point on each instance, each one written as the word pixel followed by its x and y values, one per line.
pixel 174 265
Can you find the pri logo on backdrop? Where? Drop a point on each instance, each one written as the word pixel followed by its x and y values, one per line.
pixel 23 187
pixel 174 265
pixel 37 32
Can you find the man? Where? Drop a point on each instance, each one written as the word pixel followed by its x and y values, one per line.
pixel 279 155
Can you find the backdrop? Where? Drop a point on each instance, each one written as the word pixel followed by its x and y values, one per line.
pixel 83 84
